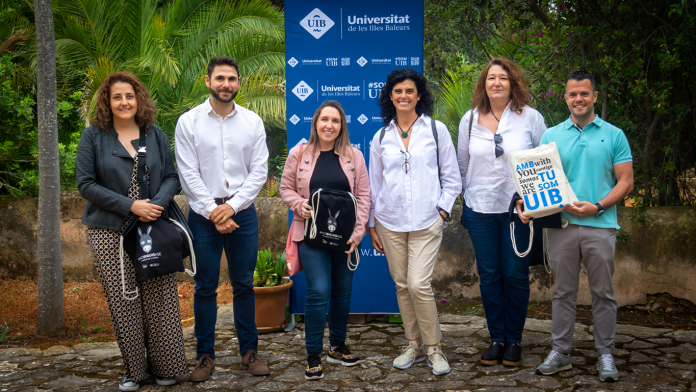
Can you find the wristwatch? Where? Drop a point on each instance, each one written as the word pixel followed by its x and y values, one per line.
pixel 442 209
pixel 600 209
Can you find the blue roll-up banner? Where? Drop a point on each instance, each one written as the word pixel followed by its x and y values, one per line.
pixel 344 50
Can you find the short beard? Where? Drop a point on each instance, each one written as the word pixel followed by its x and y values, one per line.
pixel 216 96
pixel 588 114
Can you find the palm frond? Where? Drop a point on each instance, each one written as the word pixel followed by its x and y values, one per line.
pixel 454 99
pixel 15 29
pixel 264 93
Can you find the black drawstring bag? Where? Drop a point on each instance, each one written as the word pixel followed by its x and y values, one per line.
pixel 538 244
pixel 159 247
pixel 334 214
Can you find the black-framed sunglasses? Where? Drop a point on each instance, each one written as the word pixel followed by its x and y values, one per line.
pixel 497 138
pixel 406 166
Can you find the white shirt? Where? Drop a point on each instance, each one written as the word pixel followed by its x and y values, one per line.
pixel 487 180
pixel 408 202
pixel 220 157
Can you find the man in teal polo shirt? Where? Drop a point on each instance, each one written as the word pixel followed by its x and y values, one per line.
pixel 597 160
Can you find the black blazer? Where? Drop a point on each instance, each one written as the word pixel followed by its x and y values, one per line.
pixel 103 172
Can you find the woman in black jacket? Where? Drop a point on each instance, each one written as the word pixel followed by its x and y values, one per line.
pixel 148 328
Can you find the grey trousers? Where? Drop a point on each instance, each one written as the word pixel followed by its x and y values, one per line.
pixel 594 247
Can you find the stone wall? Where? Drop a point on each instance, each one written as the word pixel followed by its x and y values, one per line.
pixel 18 253
pixel 658 256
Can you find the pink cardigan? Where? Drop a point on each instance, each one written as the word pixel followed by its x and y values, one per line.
pixel 294 187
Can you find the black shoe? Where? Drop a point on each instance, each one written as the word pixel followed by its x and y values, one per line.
pixel 342 355
pixel 513 354
pixel 493 354
pixel 313 371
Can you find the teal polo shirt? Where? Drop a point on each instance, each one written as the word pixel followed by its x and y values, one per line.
pixel 588 159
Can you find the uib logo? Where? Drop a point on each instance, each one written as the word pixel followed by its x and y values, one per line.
pixel 373 89
pixel 317 23
pixel 302 90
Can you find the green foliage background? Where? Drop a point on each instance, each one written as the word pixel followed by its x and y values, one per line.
pixel 167 44
pixel 641 52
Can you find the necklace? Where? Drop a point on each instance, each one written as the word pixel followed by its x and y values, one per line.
pixel 494 116
pixel 404 135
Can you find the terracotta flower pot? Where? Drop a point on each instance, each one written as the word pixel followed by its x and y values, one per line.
pixel 270 306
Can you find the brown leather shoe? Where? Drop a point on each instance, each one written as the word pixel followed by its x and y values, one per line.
pixel 253 364
pixel 202 372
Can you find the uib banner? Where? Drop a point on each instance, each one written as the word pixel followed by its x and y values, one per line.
pixel 344 50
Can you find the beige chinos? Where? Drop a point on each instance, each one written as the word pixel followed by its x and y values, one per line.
pixel 593 247
pixel 411 257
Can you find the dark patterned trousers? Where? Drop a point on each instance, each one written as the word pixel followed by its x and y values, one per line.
pixel 148 329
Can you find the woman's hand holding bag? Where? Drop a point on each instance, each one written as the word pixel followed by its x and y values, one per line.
pixel 145 211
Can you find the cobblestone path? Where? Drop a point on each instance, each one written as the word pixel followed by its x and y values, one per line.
pixel 649 359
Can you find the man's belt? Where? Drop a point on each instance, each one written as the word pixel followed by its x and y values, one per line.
pixel 222 200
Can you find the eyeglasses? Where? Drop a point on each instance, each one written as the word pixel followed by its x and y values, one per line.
pixel 406 166
pixel 497 138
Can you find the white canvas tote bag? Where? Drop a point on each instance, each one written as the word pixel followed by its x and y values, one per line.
pixel 540 180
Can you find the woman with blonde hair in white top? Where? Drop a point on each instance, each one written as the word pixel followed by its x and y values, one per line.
pixel 502 121
pixel 414 182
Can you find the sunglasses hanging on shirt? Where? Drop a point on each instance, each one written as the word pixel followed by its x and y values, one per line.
pixel 406 166
pixel 497 138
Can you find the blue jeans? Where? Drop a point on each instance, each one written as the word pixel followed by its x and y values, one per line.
pixel 241 247
pixel 327 276
pixel 504 276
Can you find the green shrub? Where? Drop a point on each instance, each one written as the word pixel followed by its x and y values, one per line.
pixel 19 172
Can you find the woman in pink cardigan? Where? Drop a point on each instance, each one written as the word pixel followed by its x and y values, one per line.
pixel 327 161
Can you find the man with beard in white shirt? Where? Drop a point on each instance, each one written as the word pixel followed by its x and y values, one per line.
pixel 222 158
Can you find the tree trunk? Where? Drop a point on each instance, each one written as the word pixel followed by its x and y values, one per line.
pixel 51 320
pixel 652 119
pixel 539 13
pixel 605 97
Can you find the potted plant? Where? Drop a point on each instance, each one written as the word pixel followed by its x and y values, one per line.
pixel 271 290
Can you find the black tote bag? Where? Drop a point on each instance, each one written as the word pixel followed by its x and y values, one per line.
pixel 334 214
pixel 537 246
pixel 159 247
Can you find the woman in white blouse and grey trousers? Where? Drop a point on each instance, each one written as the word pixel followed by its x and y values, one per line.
pixel 501 122
pixel 414 181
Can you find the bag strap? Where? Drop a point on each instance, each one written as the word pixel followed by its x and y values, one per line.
pixel 313 214
pixel 142 175
pixel 433 126
pixel 381 135
pixel 531 238
pixel 547 256
pixel 471 122
pixel 299 157
pixel 190 242
pixel 123 274
pixel 353 266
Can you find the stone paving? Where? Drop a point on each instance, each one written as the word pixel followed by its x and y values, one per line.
pixel 650 359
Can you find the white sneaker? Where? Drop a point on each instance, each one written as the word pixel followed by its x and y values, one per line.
pixel 128 385
pixel 437 361
pixel 413 353
pixel 607 368
pixel 165 381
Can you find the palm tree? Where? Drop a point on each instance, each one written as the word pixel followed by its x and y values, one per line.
pixel 51 319
pixel 168 48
